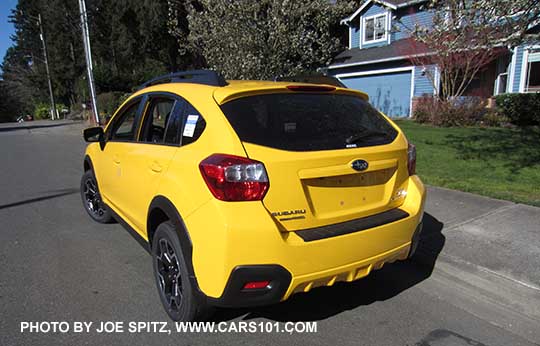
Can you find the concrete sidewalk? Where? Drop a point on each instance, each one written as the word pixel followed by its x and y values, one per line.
pixel 498 236
pixel 39 124
pixel 484 258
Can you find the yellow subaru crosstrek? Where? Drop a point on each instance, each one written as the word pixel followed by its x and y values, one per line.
pixel 246 192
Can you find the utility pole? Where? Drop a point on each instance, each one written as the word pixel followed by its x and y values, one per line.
pixel 46 59
pixel 88 55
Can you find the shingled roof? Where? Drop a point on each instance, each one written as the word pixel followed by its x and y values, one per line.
pixel 396 50
pixel 402 3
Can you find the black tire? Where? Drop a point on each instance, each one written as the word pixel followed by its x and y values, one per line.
pixel 176 292
pixel 91 199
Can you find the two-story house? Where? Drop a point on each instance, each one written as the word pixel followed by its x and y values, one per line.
pixel 378 59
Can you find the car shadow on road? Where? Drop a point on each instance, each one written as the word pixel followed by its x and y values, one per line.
pixel 380 285
pixel 56 194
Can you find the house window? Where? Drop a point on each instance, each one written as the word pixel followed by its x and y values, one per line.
pixel 375 28
pixel 532 82
pixel 501 83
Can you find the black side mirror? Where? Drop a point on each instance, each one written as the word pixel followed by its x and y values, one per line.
pixel 95 134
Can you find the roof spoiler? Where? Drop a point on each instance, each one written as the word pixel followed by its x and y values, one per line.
pixel 206 77
pixel 312 79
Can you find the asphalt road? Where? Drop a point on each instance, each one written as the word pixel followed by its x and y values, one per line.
pixel 56 264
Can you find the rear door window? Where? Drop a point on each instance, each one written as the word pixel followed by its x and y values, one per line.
pixel 308 122
pixel 174 123
pixel 158 114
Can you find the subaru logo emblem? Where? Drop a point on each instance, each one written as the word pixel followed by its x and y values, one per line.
pixel 359 165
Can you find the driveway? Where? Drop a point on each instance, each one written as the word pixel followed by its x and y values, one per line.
pixel 475 280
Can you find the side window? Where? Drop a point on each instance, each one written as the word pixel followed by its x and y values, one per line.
pixel 194 124
pixel 158 113
pixel 125 125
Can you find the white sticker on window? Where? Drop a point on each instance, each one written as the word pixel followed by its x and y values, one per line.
pixel 191 122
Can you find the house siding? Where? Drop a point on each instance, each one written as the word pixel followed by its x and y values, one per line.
pixel 407 19
pixel 422 83
pixel 373 10
pixel 355 33
pixel 387 82
pixel 517 69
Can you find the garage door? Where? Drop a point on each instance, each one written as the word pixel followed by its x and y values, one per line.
pixel 389 92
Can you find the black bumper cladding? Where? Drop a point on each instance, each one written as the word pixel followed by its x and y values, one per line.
pixel 236 296
pixel 352 226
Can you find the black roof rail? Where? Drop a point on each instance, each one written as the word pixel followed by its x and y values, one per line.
pixel 207 77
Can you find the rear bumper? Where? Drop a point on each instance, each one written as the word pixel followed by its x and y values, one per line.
pixel 234 294
pixel 232 246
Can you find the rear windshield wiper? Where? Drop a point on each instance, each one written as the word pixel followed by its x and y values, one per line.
pixel 363 135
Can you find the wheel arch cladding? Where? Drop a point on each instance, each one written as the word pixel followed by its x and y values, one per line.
pixel 87 165
pixel 161 209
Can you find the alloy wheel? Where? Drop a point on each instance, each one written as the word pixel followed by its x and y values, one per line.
pixel 92 198
pixel 168 270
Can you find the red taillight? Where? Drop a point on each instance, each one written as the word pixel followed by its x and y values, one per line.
pixel 256 285
pixel 234 178
pixel 309 88
pixel 411 159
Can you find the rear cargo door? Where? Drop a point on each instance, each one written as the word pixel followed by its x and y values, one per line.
pixel 329 157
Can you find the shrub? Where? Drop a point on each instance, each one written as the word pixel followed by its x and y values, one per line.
pixel 521 109
pixel 494 118
pixel 464 111
pixel 109 102
pixel 42 111
pixel 423 109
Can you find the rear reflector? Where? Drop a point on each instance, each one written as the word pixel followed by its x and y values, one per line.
pixel 310 88
pixel 256 285
pixel 234 178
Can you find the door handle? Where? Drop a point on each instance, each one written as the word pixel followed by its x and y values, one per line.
pixel 155 167
pixel 116 158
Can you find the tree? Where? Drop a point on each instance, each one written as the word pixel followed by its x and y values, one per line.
pixel 130 43
pixel 246 39
pixel 17 87
pixel 178 27
pixel 24 64
pixel 465 36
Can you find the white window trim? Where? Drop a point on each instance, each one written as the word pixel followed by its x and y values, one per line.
pixel 384 3
pixel 363 26
pixel 388 25
pixel 413 76
pixel 437 80
pixel 360 32
pixel 384 71
pixel 524 68
pixel 511 75
pixel 498 82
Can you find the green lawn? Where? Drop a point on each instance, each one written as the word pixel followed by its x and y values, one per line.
pixel 496 162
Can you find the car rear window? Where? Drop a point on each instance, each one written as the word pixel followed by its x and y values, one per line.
pixel 308 122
